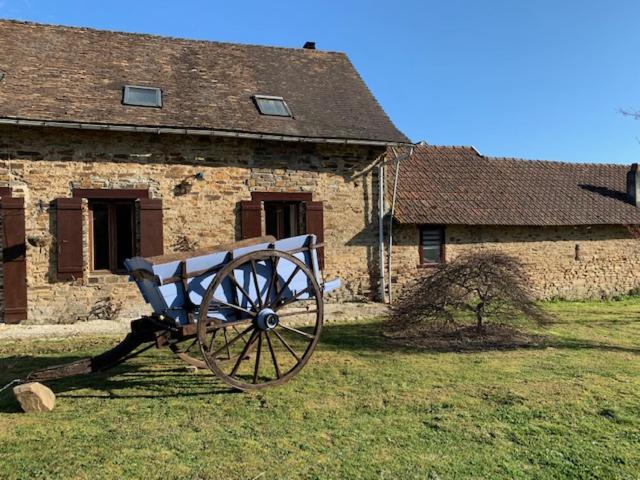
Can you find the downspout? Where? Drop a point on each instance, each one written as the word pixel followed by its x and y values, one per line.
pixel 381 230
pixel 393 208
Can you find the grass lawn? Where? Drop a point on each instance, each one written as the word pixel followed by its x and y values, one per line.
pixel 362 408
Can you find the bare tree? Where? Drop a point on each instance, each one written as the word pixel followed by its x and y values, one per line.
pixel 486 284
pixel 635 114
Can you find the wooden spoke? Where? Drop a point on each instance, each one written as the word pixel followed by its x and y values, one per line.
pixel 186 350
pixel 293 314
pixel 235 307
pixel 236 330
pixel 284 287
pixel 244 292
pixel 295 330
pixel 274 278
pixel 226 341
pixel 233 340
pixel 254 271
pixel 292 299
pixel 286 345
pixel 218 324
pixel 258 352
pixel 243 353
pixel 273 355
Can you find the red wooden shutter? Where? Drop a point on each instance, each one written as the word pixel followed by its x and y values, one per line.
pixel 14 259
pixel 315 225
pixel 69 237
pixel 151 236
pixel 250 219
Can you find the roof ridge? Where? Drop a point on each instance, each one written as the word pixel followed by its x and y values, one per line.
pixel 163 37
pixel 555 162
pixel 517 159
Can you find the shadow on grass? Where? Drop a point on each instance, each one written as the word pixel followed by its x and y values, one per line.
pixel 145 377
pixel 364 337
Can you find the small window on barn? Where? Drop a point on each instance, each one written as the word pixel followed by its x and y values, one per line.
pixel 112 234
pixel 273 106
pixel 142 96
pixel 431 245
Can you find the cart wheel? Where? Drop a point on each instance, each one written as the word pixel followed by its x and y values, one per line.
pixel 185 354
pixel 274 319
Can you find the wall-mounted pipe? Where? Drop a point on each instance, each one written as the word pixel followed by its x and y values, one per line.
pixel 398 159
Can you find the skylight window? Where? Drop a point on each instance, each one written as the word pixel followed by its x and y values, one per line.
pixel 273 106
pixel 142 96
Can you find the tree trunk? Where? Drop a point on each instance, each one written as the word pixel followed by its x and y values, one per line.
pixel 479 315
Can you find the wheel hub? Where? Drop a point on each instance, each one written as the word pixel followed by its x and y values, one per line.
pixel 267 319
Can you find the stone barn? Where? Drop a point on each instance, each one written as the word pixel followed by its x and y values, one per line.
pixel 116 144
pixel 569 222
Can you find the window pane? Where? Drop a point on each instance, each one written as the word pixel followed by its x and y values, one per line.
pixel 281 219
pixel 124 234
pixel 100 237
pixel 145 97
pixel 271 220
pixel 431 245
pixel 431 254
pixel 272 106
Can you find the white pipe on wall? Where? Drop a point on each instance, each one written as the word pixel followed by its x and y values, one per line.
pixel 398 159
pixel 381 230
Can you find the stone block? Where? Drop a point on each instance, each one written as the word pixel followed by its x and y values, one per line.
pixel 35 397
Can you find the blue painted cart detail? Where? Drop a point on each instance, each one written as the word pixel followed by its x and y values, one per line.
pixel 235 299
pixel 251 311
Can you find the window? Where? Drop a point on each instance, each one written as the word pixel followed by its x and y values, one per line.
pixel 274 106
pixel 282 219
pixel 431 245
pixel 112 234
pixel 142 96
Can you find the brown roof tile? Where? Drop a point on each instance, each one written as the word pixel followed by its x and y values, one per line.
pixel 457 185
pixel 74 74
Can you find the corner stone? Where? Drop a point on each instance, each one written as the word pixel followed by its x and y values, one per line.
pixel 35 397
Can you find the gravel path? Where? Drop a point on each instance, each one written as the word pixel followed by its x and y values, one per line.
pixel 334 313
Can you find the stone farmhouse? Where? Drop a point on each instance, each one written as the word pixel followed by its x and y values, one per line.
pixel 567 221
pixel 116 144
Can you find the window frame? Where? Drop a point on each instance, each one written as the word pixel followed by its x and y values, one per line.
pixel 257 98
pixel 441 231
pixel 111 203
pixel 127 101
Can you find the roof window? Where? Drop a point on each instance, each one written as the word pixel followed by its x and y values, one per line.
pixel 273 106
pixel 142 96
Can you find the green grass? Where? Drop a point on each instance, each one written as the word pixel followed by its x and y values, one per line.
pixel 362 408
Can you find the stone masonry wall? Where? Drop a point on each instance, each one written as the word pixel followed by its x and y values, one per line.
pixel 44 164
pixel 608 261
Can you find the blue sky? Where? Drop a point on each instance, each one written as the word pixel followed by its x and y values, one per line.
pixel 532 79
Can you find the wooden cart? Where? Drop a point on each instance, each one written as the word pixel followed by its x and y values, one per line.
pixel 251 311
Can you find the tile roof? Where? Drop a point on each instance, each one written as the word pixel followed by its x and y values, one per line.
pixel 457 185
pixel 68 74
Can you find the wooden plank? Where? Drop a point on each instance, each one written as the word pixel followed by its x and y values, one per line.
pixel 14 260
pixel 250 219
pixel 70 262
pixel 223 247
pixel 151 227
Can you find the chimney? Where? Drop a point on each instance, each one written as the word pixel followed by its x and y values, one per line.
pixel 309 45
pixel 633 185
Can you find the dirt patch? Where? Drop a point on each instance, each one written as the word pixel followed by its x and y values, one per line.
pixel 467 338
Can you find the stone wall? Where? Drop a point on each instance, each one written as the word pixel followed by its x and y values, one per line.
pixel 607 261
pixel 44 164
